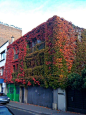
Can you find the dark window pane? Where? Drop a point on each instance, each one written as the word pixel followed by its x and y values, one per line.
pixel 16 56
pixel 41 46
pixel 8 89
pixel 17 89
pixel 11 90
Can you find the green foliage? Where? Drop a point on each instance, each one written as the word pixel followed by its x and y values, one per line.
pixel 63 83
pixel 14 75
pixel 84 77
pixel 84 72
pixel 38 70
pixel 80 58
pixel 75 80
pixel 53 81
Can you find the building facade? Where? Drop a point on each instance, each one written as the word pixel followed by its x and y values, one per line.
pixel 7 35
pixel 40 58
pixel 38 63
pixel 3 50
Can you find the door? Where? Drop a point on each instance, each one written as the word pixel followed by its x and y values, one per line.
pixel 76 100
pixel 40 96
pixel 22 88
pixel 17 93
pixel 12 93
pixel 8 90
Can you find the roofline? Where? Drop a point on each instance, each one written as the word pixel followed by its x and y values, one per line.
pixel 4 43
pixel 12 26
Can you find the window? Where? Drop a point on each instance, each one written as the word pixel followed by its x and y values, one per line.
pixel 39 41
pixel 29 44
pixel 17 89
pixel 34 42
pixel 11 90
pixel 2 71
pixel 16 54
pixel 13 68
pixel 41 46
pixel 3 55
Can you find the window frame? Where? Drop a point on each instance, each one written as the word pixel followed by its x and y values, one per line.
pixel 2 55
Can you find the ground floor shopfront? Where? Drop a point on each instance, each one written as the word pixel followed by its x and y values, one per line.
pixel 65 100
pixel 38 96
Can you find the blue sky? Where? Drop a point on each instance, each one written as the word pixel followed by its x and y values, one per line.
pixel 27 14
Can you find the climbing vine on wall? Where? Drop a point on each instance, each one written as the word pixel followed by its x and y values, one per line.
pixel 52 69
pixel 80 58
pixel 60 52
pixel 8 69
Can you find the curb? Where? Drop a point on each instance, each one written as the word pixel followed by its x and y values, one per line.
pixel 34 111
pixel 41 113
pixel 23 109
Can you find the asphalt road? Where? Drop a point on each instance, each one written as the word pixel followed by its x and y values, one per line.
pixel 18 111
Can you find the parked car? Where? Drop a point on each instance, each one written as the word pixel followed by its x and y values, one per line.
pixel 4 98
pixel 5 111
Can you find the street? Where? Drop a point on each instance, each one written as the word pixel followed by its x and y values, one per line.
pixel 18 111
pixel 28 109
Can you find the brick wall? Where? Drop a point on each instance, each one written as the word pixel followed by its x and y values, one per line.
pixel 6 32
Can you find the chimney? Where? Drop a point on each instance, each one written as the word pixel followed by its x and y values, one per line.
pixel 12 39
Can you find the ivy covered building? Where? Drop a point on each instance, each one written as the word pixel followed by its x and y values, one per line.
pixel 38 64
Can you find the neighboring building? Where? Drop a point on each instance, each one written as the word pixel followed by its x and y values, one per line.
pixel 6 32
pixel 3 51
pixel 42 57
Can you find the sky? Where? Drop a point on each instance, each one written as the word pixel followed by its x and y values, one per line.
pixel 28 14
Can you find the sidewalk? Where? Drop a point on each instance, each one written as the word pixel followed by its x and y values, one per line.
pixel 38 109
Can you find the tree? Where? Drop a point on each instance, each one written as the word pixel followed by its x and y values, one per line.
pixel 74 81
